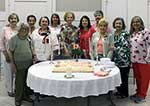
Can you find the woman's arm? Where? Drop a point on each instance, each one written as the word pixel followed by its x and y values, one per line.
pixel 147 40
pixel 3 46
pixel 12 45
pixel 92 47
pixel 111 46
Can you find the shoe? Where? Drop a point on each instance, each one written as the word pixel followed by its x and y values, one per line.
pixel 11 94
pixel 28 99
pixel 139 100
pixel 122 97
pixel 133 97
pixel 116 93
pixel 119 95
pixel 18 103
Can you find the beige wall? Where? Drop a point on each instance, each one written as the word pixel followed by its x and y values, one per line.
pixel 2 5
pixel 139 8
pixel 78 5
pixel 111 8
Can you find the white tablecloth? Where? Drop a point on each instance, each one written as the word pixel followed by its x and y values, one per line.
pixel 41 79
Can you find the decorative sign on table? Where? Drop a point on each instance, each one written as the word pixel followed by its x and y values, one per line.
pixel 73 66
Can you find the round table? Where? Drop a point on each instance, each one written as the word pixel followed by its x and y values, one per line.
pixel 42 80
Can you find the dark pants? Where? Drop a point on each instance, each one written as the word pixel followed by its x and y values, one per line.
pixel 123 89
pixel 20 84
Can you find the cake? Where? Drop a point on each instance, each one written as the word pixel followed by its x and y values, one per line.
pixel 64 66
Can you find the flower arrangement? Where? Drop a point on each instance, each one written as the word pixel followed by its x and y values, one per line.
pixel 76 51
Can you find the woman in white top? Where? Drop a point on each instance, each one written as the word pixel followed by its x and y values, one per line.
pixel 55 24
pixel 31 20
pixel 45 42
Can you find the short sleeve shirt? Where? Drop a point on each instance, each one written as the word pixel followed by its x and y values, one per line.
pixel 21 52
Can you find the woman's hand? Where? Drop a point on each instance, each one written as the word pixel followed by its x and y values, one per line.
pixel 147 60
pixel 34 59
pixel 8 60
pixel 85 53
pixel 13 68
pixel 7 57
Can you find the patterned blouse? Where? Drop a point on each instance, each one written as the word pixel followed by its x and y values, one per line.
pixel 140 47
pixel 121 55
pixel 69 36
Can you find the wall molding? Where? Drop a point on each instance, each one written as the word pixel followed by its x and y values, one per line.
pixel 30 0
pixel 148 14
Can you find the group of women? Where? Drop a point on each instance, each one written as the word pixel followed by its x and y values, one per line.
pixel 54 41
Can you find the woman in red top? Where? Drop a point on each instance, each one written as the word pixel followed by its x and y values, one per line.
pixel 86 32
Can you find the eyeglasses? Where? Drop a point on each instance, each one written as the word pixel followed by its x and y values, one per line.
pixel 96 15
pixel 136 21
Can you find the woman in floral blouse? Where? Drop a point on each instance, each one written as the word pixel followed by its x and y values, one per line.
pixel 140 57
pixel 69 35
pixel 121 55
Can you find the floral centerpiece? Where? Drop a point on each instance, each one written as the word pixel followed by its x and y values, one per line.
pixel 76 51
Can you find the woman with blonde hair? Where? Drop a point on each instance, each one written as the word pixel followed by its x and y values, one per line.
pixel 102 43
pixel 69 35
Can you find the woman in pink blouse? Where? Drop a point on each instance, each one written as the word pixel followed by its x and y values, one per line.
pixel 7 32
pixel 140 58
pixel 86 32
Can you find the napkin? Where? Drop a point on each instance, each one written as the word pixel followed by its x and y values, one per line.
pixel 101 73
